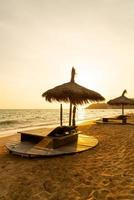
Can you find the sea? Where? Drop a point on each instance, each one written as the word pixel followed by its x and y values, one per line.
pixel 13 120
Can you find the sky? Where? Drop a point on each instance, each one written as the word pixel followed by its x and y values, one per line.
pixel 40 41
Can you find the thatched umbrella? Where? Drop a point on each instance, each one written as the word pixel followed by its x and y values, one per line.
pixel 73 93
pixel 121 100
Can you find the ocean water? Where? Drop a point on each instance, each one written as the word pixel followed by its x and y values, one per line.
pixel 12 120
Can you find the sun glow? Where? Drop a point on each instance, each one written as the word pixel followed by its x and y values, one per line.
pixel 90 77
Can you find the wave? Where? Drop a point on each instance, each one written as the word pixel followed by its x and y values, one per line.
pixel 9 122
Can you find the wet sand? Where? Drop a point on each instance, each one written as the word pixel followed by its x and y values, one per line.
pixel 105 172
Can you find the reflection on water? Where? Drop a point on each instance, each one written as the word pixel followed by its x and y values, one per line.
pixel 89 114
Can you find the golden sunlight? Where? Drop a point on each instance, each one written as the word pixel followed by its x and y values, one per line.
pixel 89 76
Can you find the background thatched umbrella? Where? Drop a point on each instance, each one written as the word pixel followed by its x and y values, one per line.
pixel 73 93
pixel 122 100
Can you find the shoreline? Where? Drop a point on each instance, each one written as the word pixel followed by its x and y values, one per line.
pixel 11 132
pixel 14 131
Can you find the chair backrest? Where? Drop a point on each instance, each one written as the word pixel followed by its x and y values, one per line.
pixel 61 130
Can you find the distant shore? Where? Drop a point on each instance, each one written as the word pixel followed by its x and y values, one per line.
pixel 106 106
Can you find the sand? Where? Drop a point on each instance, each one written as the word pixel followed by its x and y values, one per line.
pixel 105 172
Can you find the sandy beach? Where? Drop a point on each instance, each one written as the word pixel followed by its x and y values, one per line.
pixel 105 172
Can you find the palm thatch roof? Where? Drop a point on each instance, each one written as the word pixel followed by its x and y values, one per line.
pixel 121 100
pixel 72 92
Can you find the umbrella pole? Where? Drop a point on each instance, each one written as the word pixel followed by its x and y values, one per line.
pixel 60 114
pixel 74 112
pixel 122 109
pixel 70 114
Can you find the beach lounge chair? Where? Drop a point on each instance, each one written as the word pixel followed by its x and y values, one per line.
pixel 123 118
pixel 57 137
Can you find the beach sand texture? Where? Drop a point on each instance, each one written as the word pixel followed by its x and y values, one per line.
pixel 105 172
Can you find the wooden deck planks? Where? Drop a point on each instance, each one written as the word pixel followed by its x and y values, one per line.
pixel 28 149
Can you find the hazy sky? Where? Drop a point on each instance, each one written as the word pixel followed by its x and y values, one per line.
pixel 40 40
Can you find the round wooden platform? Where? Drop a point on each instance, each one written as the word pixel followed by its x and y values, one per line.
pixel 28 149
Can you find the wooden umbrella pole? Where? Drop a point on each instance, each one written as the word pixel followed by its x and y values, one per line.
pixel 74 113
pixel 60 114
pixel 70 114
pixel 122 109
